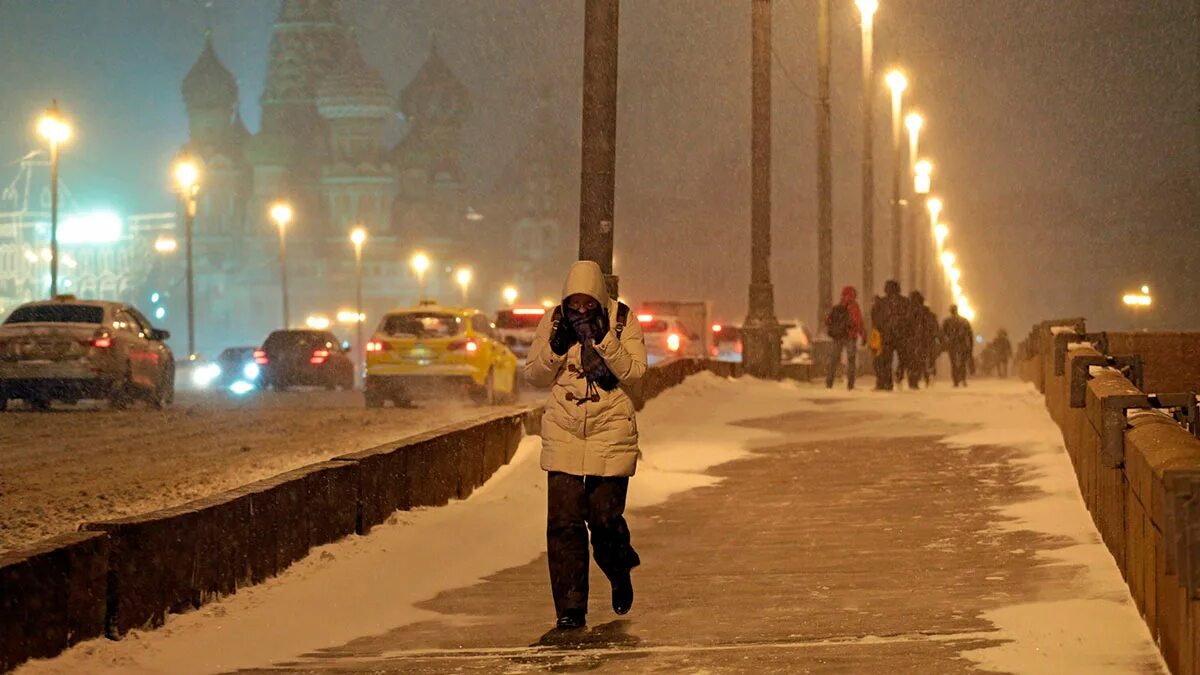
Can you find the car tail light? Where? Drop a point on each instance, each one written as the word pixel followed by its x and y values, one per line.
pixel 673 342
pixel 260 357
pixel 377 346
pixel 470 346
pixel 645 318
pixel 101 340
pixel 529 311
pixel 738 348
pixel 715 352
pixel 319 356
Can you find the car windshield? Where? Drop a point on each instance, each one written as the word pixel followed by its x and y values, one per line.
pixel 57 314
pixel 509 319
pixel 422 325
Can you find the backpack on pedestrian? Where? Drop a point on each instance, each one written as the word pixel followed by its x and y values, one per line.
pixel 840 323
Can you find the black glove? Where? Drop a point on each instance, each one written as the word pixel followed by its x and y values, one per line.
pixel 589 327
pixel 561 337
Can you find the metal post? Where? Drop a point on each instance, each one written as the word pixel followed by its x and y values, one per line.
pixel 824 168
pixel 283 272
pixel 53 218
pixel 761 332
pixel 868 167
pixel 599 158
pixel 916 256
pixel 359 345
pixel 897 171
pixel 189 217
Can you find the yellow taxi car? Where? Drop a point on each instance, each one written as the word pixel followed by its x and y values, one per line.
pixel 429 348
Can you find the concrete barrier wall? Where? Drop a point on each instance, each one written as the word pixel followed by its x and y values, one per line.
pixel 1171 360
pixel 1136 473
pixel 128 573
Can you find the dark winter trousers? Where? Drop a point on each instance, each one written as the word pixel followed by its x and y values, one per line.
pixel 958 365
pixel 884 363
pixel 578 504
pixel 844 345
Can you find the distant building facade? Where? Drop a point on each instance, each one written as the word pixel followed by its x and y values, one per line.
pixel 321 147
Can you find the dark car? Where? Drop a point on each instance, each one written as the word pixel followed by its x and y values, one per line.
pixel 237 363
pixel 296 358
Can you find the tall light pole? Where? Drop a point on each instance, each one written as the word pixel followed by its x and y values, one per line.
pixel 916 253
pixel 187 180
pixel 824 167
pixel 282 214
pixel 420 264
pixel 463 277
pixel 939 232
pixel 56 131
pixel 761 332
pixel 867 8
pixel 897 83
pixel 599 155
pixel 357 237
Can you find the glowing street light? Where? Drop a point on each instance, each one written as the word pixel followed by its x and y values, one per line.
pixel 52 127
pixel 510 295
pixel 282 214
pixel 940 232
pixel 463 277
pixel 1142 299
pixel 922 177
pixel 358 236
pixel 948 259
pixel 187 181
pixel 867 9
pixel 420 264
pixel 166 245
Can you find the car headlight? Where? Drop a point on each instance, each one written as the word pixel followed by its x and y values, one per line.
pixel 204 375
pixel 241 388
pixel 251 371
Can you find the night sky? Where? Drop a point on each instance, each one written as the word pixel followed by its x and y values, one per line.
pixel 1065 133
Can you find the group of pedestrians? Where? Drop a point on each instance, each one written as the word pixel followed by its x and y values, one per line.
pixel 905 339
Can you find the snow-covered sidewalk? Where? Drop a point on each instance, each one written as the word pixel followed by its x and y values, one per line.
pixel 779 524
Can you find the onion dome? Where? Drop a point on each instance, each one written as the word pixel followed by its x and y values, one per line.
pixel 435 95
pixel 354 89
pixel 209 83
pixel 308 11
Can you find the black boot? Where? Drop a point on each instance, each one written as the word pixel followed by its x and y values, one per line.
pixel 622 594
pixel 572 619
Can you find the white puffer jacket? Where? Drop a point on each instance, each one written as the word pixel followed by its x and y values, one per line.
pixel 588 438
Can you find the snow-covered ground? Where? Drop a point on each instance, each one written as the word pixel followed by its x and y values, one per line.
pixel 365 586
pixel 64 467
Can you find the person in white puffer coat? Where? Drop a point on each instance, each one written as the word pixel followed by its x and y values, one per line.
pixel 586 350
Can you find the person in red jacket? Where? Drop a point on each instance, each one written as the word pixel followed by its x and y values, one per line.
pixel 844 325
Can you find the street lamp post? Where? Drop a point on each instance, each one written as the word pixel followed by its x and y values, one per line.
pixel 187 180
pixel 420 264
pixel 761 332
pixel 56 131
pixel 510 295
pixel 824 166
pixel 599 133
pixel 282 214
pixel 897 83
pixel 463 277
pixel 940 232
pixel 357 237
pixel 867 8
pixel 916 254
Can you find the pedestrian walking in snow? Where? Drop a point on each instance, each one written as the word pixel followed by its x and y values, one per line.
pixel 921 340
pixel 1004 352
pixel 844 325
pixel 890 317
pixel 960 344
pixel 587 348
